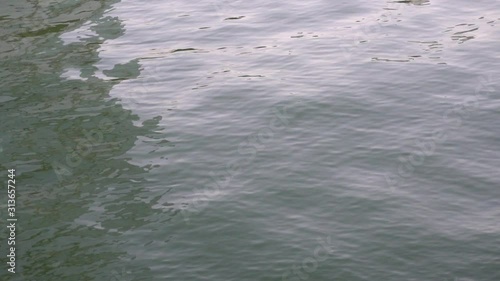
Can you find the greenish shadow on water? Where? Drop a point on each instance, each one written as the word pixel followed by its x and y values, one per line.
pixel 66 139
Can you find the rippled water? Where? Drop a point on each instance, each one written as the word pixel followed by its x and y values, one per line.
pixel 252 140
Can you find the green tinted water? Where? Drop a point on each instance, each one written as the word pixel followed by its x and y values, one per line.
pixel 232 140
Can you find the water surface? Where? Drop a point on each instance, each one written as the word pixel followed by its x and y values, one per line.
pixel 230 140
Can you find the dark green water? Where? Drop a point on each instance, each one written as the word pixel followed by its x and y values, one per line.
pixel 233 140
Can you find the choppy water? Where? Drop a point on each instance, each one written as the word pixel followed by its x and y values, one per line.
pixel 252 140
